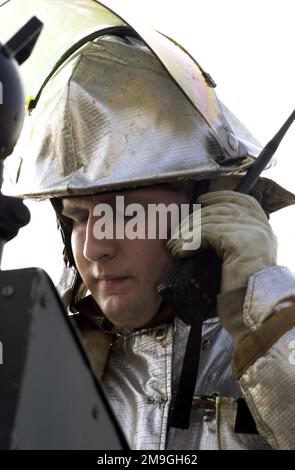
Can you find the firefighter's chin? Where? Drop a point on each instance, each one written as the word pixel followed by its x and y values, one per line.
pixel 133 311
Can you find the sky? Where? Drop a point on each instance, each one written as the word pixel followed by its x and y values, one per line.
pixel 248 48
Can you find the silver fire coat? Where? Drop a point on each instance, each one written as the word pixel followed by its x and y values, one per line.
pixel 140 373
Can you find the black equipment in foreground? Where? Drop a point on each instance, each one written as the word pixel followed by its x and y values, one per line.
pixel 49 396
pixel 13 213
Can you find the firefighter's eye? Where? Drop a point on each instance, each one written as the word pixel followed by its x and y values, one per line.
pixel 79 221
pixel 78 218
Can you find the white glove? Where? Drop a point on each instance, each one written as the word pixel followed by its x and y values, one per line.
pixel 236 227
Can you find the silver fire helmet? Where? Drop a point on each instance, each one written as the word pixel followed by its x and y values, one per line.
pixel 125 107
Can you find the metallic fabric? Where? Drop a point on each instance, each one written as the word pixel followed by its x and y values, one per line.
pixel 74 144
pixel 110 118
pixel 269 291
pixel 271 398
pixel 66 22
pixel 142 373
pixel 268 384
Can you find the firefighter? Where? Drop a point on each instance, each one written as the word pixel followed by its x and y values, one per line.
pixel 133 115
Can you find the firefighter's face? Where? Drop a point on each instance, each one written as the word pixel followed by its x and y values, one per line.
pixel 122 274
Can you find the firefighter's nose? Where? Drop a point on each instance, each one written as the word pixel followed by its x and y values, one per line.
pixel 98 245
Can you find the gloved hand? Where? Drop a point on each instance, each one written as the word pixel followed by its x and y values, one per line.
pixel 236 227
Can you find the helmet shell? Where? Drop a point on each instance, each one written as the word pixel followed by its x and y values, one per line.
pixel 112 118
pixel 165 125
